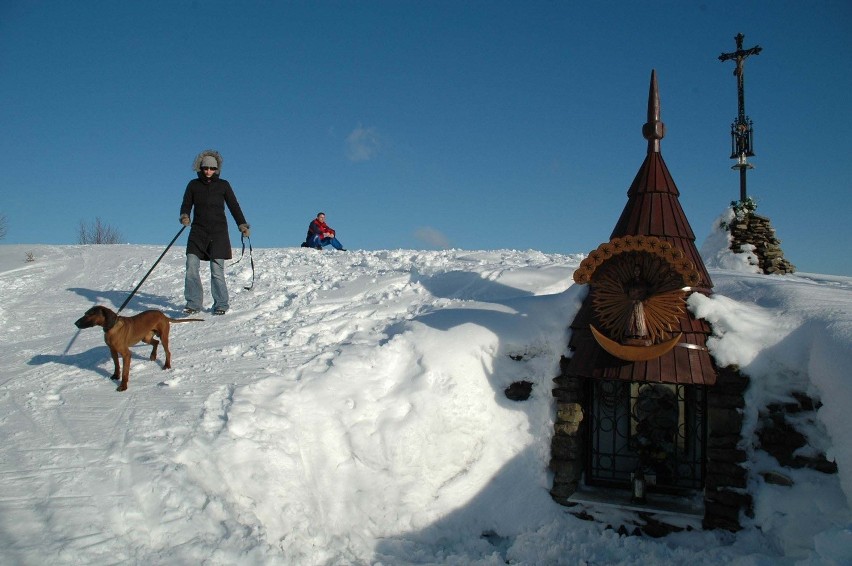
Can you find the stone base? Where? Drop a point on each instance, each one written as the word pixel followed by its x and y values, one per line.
pixel 755 230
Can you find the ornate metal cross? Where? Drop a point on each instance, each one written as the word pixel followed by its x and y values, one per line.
pixel 741 128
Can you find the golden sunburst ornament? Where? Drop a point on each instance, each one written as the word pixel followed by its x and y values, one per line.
pixel 639 287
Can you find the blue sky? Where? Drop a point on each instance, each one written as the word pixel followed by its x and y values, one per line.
pixel 474 125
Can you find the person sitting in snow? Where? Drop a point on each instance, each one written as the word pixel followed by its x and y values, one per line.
pixel 321 234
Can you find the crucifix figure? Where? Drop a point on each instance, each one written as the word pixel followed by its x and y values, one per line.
pixel 741 129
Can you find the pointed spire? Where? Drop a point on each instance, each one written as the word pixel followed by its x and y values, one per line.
pixel 654 130
pixel 653 208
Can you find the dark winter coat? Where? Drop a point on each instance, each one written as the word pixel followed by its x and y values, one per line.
pixel 208 236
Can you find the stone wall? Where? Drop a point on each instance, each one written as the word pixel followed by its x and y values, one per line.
pixel 757 230
pixel 726 479
pixel 777 434
pixel 567 447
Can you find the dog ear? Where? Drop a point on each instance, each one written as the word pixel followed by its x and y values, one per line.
pixel 110 317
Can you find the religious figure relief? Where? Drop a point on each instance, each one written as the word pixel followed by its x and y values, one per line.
pixel 639 287
pixel 636 332
pixel 655 421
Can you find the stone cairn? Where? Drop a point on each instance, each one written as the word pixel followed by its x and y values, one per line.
pixel 747 227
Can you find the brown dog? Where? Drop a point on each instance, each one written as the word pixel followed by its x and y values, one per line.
pixel 121 332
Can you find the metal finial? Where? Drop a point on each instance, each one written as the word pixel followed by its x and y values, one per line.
pixel 653 130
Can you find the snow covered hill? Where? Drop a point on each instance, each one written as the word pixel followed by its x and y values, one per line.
pixel 350 409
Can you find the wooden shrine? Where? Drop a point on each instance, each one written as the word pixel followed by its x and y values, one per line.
pixel 641 407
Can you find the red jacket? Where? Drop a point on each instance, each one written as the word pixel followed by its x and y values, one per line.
pixel 318 228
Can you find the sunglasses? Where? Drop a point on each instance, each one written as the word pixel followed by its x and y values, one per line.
pixel 209 168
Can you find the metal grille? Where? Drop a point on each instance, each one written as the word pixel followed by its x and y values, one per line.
pixel 659 429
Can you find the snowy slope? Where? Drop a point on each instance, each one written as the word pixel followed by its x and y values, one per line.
pixel 349 409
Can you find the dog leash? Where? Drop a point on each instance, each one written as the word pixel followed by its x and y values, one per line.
pixel 251 260
pixel 127 300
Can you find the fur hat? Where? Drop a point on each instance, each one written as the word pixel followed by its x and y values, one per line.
pixel 207 157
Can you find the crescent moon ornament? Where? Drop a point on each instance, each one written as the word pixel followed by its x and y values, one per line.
pixel 634 353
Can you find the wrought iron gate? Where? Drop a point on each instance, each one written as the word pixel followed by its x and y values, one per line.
pixel 659 429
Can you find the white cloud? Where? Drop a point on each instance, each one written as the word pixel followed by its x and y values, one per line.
pixel 432 237
pixel 362 144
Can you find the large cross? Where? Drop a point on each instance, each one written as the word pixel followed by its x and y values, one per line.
pixel 741 129
pixel 740 55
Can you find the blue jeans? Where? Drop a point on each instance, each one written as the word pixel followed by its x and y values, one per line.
pixel 193 291
pixel 316 241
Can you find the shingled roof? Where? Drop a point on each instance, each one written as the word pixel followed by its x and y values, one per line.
pixel 652 209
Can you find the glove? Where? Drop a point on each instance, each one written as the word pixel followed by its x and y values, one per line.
pixel 184 219
pixel 244 230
